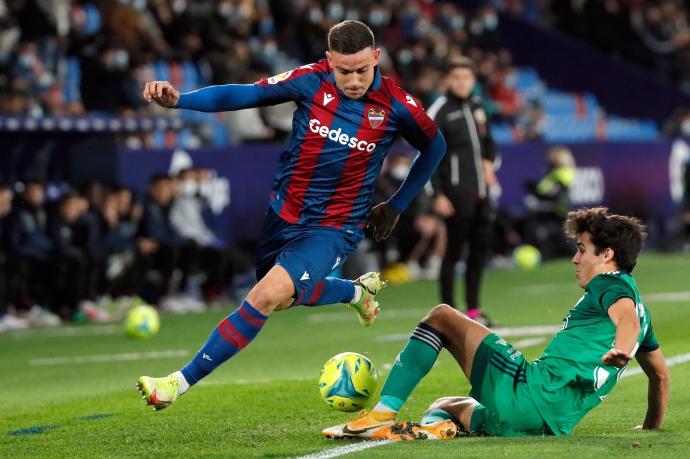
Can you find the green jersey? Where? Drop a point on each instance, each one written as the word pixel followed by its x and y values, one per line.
pixel 569 379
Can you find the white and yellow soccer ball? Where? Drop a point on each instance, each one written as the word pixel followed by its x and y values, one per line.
pixel 527 257
pixel 142 322
pixel 347 381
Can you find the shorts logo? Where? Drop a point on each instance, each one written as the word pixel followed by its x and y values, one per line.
pixel 280 77
pixel 337 135
pixel 376 117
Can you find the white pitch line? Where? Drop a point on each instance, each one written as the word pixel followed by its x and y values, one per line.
pixel 59 332
pixel 670 362
pixel 531 330
pixel 321 317
pixel 105 358
pixel 666 297
pixel 528 342
pixel 347 449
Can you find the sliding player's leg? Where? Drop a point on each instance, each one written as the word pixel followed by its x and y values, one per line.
pixel 445 327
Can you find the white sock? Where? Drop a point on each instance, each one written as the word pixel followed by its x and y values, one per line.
pixel 184 385
pixel 381 408
pixel 358 294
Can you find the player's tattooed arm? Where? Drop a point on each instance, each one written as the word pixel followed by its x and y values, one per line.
pixel 381 221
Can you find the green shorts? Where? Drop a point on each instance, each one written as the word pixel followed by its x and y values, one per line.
pixel 499 384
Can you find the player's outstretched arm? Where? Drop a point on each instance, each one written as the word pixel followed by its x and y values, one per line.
pixel 162 93
pixel 654 366
pixel 209 99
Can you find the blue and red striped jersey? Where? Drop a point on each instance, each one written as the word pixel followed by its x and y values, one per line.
pixel 328 172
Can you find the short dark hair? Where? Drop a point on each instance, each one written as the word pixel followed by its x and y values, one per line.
pixel 350 37
pixel 463 63
pixel 624 235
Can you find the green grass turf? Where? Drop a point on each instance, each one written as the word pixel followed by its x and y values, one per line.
pixel 265 402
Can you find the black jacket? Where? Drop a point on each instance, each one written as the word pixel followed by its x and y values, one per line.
pixel 464 124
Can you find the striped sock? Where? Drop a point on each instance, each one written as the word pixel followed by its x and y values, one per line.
pixel 231 335
pixel 412 364
pixel 331 290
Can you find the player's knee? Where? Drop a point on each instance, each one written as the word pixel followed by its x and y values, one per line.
pixel 264 300
pixel 441 403
pixel 440 315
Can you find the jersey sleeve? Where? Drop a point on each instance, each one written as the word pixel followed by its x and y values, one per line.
pixel 608 290
pixel 293 84
pixel 649 342
pixel 415 125
pixel 288 86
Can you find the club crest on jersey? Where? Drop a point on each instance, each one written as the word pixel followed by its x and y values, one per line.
pixel 280 77
pixel 376 117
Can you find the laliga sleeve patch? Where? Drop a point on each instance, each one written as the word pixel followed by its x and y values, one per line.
pixel 280 77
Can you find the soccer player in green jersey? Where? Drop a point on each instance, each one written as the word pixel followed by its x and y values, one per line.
pixel 606 328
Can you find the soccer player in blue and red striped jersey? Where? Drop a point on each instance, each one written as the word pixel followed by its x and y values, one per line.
pixel 347 118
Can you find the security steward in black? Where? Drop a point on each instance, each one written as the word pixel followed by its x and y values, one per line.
pixel 463 181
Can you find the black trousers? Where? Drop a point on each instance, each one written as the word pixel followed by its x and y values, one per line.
pixel 471 226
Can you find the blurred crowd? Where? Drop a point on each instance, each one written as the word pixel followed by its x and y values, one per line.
pixel 62 57
pixel 91 253
pixel 655 34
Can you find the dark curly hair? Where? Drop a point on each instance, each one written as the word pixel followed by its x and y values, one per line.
pixel 624 235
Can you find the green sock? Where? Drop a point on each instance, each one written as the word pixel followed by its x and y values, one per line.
pixel 412 364
pixel 435 415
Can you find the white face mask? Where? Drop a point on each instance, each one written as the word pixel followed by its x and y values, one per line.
pixel 188 187
pixel 400 171
pixel 685 127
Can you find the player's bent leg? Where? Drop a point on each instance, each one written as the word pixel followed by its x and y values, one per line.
pixel 274 291
pixel 229 337
pixel 462 335
pixel 457 409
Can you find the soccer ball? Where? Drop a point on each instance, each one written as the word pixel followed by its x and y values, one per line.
pixel 347 381
pixel 527 257
pixel 142 322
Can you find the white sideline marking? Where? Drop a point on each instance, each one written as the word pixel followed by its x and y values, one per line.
pixel 501 331
pixel 670 362
pixel 321 317
pixel 58 332
pixel 540 289
pixel 666 297
pixel 104 358
pixel 347 449
pixel 528 342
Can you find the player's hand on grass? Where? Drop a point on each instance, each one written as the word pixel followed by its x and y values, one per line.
pixel 162 93
pixel 616 358
pixel 381 221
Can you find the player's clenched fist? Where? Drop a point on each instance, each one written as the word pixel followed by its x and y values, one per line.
pixel 162 93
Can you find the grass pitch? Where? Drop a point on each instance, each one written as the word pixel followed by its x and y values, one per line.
pixel 69 392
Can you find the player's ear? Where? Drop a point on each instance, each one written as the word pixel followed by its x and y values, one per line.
pixel 377 56
pixel 329 56
pixel 608 254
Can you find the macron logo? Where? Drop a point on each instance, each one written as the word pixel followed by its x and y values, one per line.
pixel 207 357
pixel 410 100
pixel 337 135
pixel 305 276
pixel 327 98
